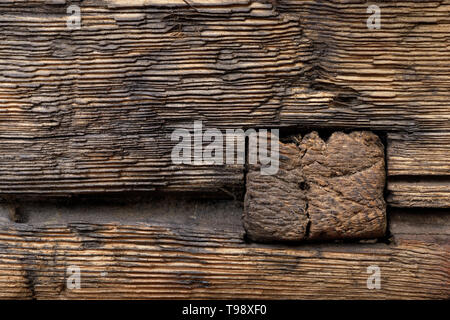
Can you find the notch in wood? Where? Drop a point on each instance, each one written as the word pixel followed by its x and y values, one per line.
pixel 323 190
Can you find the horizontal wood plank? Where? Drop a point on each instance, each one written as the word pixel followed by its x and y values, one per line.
pixel 418 169
pixel 419 192
pixel 165 252
pixel 418 154
pixel 92 110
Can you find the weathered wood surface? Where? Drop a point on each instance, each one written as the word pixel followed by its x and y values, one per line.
pixel 419 169
pixel 323 190
pixel 421 224
pixel 419 192
pixel 91 110
pixel 418 154
pixel 198 251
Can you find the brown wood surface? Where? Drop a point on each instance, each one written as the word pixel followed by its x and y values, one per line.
pixel 91 110
pixel 419 154
pixel 159 250
pixel 419 169
pixel 419 192
pixel 324 190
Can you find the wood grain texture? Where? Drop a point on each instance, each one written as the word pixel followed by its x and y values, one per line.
pixel 420 224
pixel 91 110
pixel 419 169
pixel 419 192
pixel 188 256
pixel 324 190
pixel 418 154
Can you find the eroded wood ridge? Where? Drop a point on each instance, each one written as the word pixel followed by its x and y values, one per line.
pixel 91 110
pixel 323 190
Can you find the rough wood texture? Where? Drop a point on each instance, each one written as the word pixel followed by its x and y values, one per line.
pixel 91 110
pixel 323 190
pixel 419 169
pixel 198 251
pixel 418 154
pixel 421 224
pixel 419 192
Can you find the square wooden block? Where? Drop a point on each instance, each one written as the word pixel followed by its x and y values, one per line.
pixel 324 190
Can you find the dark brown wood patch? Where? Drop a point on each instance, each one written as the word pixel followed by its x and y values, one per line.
pixel 323 190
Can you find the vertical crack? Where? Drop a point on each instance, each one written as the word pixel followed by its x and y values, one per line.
pixel 304 186
pixel 308 224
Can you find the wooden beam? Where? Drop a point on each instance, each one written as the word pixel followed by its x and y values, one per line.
pixel 419 169
pixel 419 192
pixel 324 190
pixel 92 110
pixel 155 250
pixel 418 154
